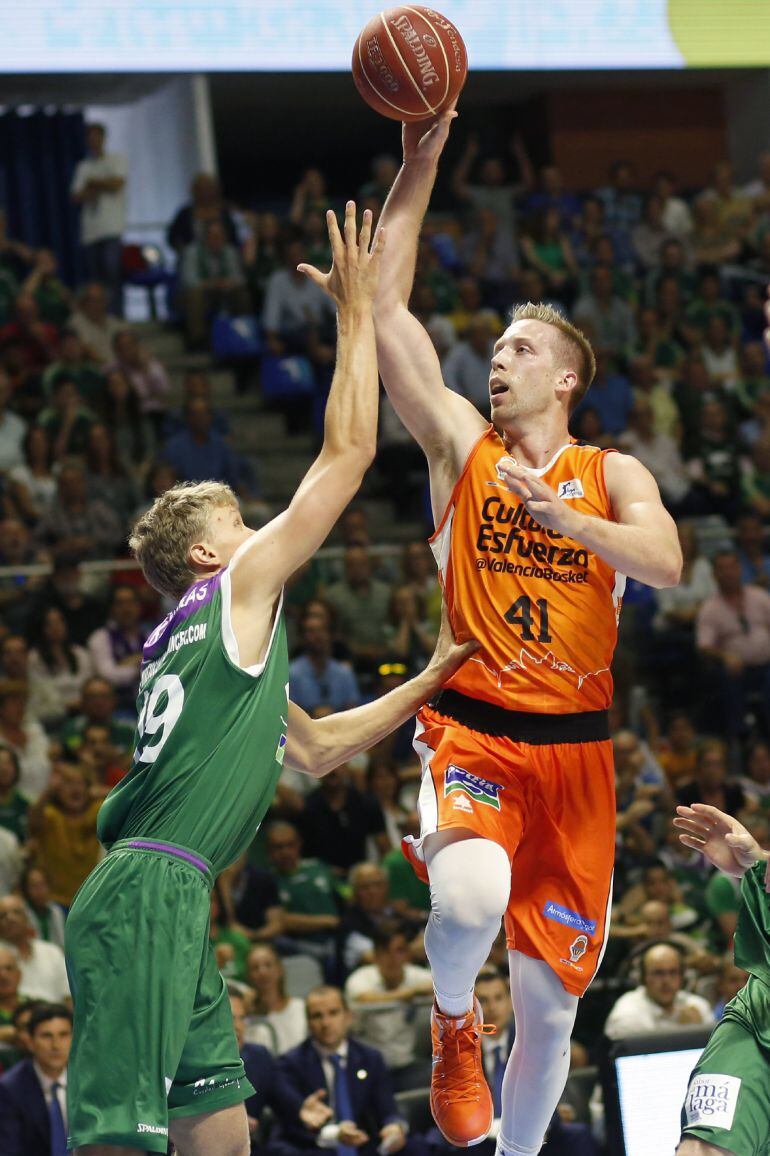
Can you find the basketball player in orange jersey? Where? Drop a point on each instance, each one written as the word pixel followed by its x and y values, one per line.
pixel 535 535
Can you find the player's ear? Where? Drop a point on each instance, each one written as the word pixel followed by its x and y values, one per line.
pixel 568 381
pixel 203 556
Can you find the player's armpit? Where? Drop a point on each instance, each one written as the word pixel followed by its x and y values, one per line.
pixel 441 421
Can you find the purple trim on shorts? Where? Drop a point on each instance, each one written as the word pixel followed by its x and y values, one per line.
pixel 169 849
pixel 191 601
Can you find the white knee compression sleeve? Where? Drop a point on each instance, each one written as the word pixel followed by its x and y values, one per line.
pixel 470 881
pixel 539 1062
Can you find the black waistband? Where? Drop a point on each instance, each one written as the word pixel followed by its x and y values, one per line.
pixel 589 726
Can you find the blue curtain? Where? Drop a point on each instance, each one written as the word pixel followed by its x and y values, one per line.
pixel 38 154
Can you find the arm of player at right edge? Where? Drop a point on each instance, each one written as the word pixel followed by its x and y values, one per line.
pixel 317 746
pixel 445 424
pixel 722 839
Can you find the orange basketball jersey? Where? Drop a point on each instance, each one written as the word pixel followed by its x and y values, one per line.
pixel 544 608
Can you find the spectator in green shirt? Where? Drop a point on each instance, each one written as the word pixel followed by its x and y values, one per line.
pixel 13 805
pixel 307 892
pixel 231 946
pixel 98 704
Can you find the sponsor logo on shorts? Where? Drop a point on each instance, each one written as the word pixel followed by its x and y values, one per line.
pixel 463 803
pixel 480 790
pixel 711 1100
pixel 153 1129
pixel 578 948
pixel 570 489
pixel 569 918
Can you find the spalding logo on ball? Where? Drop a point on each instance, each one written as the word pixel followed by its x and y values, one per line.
pixel 409 63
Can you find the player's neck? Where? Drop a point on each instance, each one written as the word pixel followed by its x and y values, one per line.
pixel 535 448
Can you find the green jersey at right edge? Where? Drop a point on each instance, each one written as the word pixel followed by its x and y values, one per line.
pixel 210 738
pixel 752 935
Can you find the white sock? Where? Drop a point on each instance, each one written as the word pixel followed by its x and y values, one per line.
pixel 503 1148
pixel 465 916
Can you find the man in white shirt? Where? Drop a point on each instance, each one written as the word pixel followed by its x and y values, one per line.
pixel 98 186
pixel 43 973
pixel 12 429
pixel 659 1004
pixel 33 1094
pixel 391 980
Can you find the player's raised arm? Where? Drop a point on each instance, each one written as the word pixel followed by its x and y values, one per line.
pixel 317 746
pixel 722 839
pixel 350 424
pixel 410 369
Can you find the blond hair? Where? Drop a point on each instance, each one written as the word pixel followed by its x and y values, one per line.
pixel 577 342
pixel 161 539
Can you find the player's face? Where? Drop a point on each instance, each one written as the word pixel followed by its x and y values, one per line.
pixel 226 532
pixel 524 373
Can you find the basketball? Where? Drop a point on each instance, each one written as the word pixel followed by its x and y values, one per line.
pixel 409 63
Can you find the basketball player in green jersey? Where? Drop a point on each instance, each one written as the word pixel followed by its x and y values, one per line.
pixel 154 1053
pixel 727 1106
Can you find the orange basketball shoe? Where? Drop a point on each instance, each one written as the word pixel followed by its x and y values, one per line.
pixel 460 1099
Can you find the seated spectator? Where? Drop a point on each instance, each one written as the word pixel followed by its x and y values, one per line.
pixel 82 612
pixel 656 344
pixel 121 412
pixel 365 1114
pixel 42 701
pixel 12 429
pixel 199 452
pixel 678 606
pixel 97 708
pixel 709 784
pixel 338 819
pixel 36 341
pixel 270 1092
pixel 11 861
pixel 679 755
pixel 206 205
pixel 250 898
pixel 489 254
pixel 732 631
pixel 466 366
pixel 659 452
pixel 261 253
pixel 391 979
pixel 13 804
pixel 412 637
pixel 709 302
pixel 547 248
pixel 757 427
pixel 723 902
pixel 284 1013
pixel 734 209
pixel 53 298
pixel 307 893
pixel 25 737
pixel 383 172
pixel 470 305
pixel 10 1002
pixel 33 1094
pixel 33 480
pixel 713 242
pixel 107 474
pixel 755 783
pixel 586 425
pixel 144 373
pixel 383 784
pixel 116 648
pixel 754 379
pixel 649 236
pixel 715 466
pixel 293 304
pixel 551 194
pixel 609 318
pixel 622 203
pixel 17 591
pixel 751 550
pixel 212 280
pixel 360 603
pixel 658 1004
pixel 94 324
pixel 720 353
pixel 76 523
pixel 730 980
pixel 310 196
pixel 73 364
pixel 67 419
pixel 43 974
pixel 63 666
pixel 45 915
pixel 657 884
pixel 315 678
pixel 369 909
pixel 756 480
pixel 677 218
pixel 230 944
pixel 409 896
pixel 104 764
pixel 62 821
pixel 196 384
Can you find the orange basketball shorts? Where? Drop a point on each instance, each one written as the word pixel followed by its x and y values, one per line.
pixel 552 809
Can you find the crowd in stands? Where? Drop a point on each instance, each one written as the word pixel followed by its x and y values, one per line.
pixel 318 929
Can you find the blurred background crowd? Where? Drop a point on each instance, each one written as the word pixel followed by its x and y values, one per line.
pixel 318 928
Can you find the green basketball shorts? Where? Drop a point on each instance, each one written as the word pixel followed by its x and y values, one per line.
pixel 153 1035
pixel 728 1098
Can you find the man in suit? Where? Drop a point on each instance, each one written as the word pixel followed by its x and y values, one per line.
pixel 262 1071
pixel 33 1108
pixel 355 1080
pixel 564 1138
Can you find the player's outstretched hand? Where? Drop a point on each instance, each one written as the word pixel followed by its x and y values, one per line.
pixel 425 139
pixel 450 652
pixel 355 267
pixel 720 837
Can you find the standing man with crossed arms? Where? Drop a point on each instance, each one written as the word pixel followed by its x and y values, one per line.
pixel 535 537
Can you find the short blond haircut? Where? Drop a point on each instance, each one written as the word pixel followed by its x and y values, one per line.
pixel 577 343
pixel 161 539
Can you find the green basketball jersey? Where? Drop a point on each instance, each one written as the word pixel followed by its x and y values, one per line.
pixel 210 735
pixel 752 935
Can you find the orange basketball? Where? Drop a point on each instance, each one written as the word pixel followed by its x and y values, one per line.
pixel 409 63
